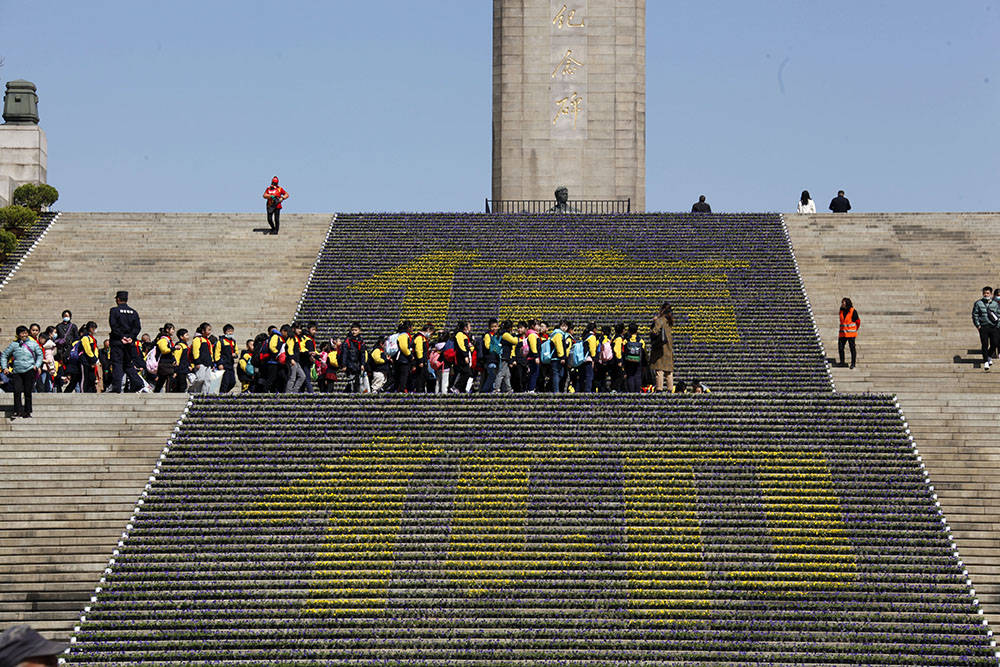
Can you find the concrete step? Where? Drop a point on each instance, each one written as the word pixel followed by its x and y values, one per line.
pixel 173 258
pixel 69 481
pixel 913 278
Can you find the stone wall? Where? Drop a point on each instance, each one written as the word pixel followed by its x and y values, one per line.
pixel 23 157
pixel 569 99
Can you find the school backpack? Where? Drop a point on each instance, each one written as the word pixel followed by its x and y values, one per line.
pixel 260 351
pixel 605 353
pixel 152 361
pixel 545 352
pixel 448 352
pixel 434 360
pixel 496 344
pixel 633 350
pixel 577 354
pixel 75 352
pixel 525 345
pixel 247 374
pixel 392 346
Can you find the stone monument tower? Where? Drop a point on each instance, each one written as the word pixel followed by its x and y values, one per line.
pixel 569 99
pixel 23 146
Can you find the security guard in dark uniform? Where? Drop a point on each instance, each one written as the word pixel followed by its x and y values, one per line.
pixel 125 328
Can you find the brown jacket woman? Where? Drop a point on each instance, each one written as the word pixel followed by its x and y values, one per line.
pixel 661 355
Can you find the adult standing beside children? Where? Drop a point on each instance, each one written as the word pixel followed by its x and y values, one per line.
pixel 275 195
pixel 850 325
pixel 661 349
pixel 25 358
pixel 125 327
pixel 66 334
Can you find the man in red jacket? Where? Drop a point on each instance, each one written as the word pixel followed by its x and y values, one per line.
pixel 274 196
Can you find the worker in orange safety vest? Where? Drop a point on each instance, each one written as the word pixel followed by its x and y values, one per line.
pixel 850 324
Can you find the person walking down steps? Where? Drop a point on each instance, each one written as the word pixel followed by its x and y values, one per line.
pixel 986 318
pixel 275 195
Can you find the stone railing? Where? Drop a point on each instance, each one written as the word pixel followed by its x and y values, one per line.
pixel 591 206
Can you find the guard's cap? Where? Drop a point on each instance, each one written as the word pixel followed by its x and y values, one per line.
pixel 121 294
pixel 21 642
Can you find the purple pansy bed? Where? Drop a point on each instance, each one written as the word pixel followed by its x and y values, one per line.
pixel 728 529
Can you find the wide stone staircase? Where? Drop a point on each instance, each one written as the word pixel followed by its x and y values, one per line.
pixel 70 477
pixel 69 480
pixel 592 530
pixel 913 278
pixel 183 268
pixel 10 262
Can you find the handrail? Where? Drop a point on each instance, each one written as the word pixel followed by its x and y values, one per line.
pixel 588 206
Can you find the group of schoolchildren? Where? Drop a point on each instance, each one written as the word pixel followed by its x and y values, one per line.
pixel 528 356
pixel 68 358
pixel 57 356
pixel 525 357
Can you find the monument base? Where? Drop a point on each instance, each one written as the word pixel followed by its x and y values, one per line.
pixel 23 158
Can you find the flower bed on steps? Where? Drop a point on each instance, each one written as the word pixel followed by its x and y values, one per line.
pixel 422 530
pixel 742 321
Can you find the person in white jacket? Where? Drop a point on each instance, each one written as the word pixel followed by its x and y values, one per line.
pixel 806 204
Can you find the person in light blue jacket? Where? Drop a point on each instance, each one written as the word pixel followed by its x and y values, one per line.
pixel 24 359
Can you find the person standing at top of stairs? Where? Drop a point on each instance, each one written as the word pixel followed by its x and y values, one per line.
pixel 275 194
pixel 840 203
pixel 806 204
pixel 701 206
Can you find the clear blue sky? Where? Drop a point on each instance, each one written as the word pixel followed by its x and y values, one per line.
pixel 185 106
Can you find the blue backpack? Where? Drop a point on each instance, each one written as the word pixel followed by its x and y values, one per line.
pixel 74 352
pixel 577 354
pixel 545 352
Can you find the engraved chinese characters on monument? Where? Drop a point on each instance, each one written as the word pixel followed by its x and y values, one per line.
pixel 568 88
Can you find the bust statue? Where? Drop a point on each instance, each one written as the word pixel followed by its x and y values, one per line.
pixel 562 201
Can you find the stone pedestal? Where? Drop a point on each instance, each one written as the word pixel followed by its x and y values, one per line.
pixel 569 99
pixel 23 157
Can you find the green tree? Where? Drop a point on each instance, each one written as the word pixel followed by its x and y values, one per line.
pixel 7 243
pixel 16 219
pixel 35 196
